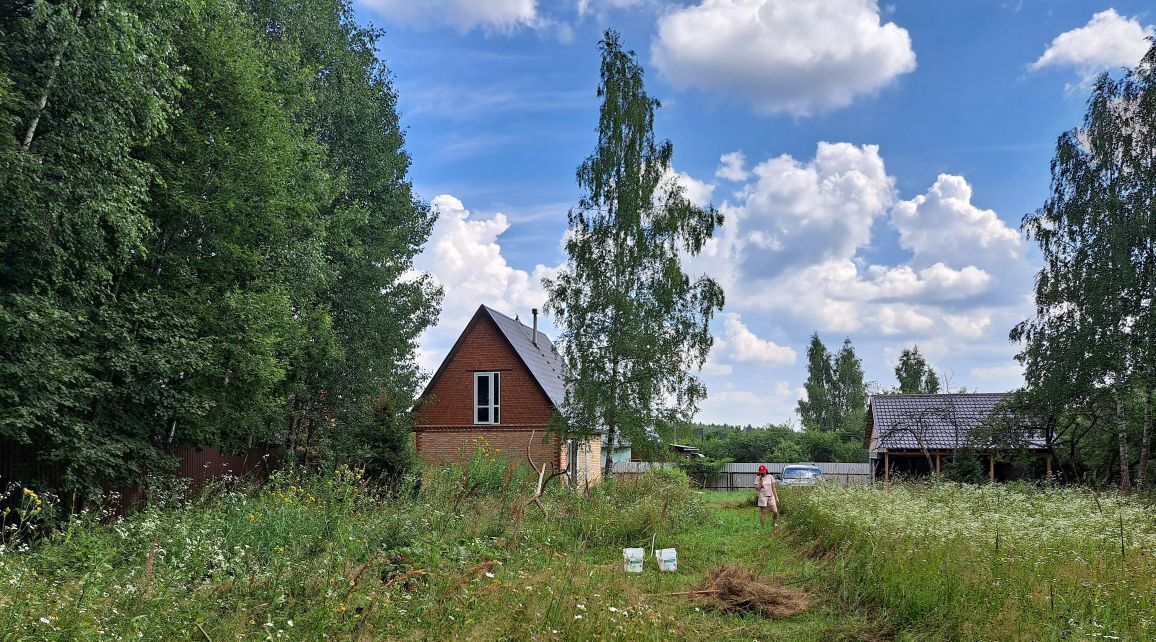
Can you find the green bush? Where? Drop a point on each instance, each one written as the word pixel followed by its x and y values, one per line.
pixel 965 468
pixel 702 469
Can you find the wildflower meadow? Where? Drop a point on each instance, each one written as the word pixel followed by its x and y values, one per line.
pixel 461 551
pixel 995 562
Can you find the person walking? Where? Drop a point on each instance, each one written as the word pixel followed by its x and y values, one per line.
pixel 768 496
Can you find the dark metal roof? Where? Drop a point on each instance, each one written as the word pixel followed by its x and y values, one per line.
pixel 931 422
pixel 543 361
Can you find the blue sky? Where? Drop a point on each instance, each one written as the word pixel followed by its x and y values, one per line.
pixel 873 162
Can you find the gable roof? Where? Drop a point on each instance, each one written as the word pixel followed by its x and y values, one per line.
pixel 542 360
pixel 934 422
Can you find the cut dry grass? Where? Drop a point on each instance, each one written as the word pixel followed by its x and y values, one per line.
pixel 734 588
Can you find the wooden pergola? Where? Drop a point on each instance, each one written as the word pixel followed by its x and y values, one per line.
pixel 942 455
pixel 925 431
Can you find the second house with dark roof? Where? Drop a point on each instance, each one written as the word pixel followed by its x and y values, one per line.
pixel 499 386
pixel 919 434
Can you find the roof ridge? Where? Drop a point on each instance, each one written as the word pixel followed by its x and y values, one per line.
pixel 525 327
pixel 897 395
pixel 537 353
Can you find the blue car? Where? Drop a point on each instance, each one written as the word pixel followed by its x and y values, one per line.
pixel 801 475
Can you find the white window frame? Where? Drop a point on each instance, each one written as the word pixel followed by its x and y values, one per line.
pixel 494 383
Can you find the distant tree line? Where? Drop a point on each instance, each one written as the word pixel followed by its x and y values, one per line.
pixel 206 235
pixel 833 414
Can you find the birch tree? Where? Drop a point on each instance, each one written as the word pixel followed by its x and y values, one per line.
pixel 634 326
pixel 1095 311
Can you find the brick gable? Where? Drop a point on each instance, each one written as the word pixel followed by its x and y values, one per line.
pixel 445 429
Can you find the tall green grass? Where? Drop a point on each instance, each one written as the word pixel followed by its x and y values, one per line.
pixel 1001 562
pixel 457 551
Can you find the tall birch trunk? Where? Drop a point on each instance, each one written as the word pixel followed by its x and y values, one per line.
pixel 1146 438
pixel 612 422
pixel 1122 437
pixel 30 133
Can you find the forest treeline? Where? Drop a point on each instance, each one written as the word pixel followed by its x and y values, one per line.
pixel 833 412
pixel 206 236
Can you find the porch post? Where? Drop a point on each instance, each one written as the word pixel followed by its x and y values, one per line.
pixel 1049 466
pixel 991 467
pixel 937 464
pixel 886 467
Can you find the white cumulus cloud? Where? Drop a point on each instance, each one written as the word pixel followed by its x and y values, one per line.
pixel 947 234
pixel 501 16
pixel 746 347
pixel 696 191
pixel 798 213
pixel 795 248
pixel 464 256
pixel 782 55
pixel 1013 372
pixel 1108 40
pixel 731 167
pixel 770 403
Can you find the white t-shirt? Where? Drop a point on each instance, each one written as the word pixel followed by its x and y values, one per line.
pixel 766 485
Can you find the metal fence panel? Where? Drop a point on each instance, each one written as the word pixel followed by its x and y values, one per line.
pixel 742 475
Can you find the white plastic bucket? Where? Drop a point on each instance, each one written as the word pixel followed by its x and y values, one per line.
pixel 667 559
pixel 632 559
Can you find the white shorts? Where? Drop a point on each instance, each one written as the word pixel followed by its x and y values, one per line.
pixel 766 502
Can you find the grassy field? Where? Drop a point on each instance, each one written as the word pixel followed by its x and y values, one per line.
pixel 466 556
pixel 998 562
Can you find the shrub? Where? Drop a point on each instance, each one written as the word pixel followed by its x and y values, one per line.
pixel 702 469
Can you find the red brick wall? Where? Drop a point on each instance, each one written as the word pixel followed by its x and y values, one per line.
pixel 442 446
pixel 445 426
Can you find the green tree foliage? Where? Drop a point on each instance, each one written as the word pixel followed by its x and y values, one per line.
pixel 849 393
pixel 781 444
pixel 836 392
pixel 1091 334
pixel 206 226
pixel 835 409
pixel 701 470
pixel 89 84
pixel 914 374
pixel 818 410
pixel 374 225
pixel 633 325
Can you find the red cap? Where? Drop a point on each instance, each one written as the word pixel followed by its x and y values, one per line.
pixel 762 470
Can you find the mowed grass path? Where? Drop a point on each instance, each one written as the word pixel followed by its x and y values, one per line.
pixel 465 558
pixel 589 596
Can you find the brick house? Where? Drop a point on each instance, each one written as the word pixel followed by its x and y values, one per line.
pixel 500 385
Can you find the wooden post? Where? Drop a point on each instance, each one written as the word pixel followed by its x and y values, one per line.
pixel 937 464
pixel 1049 466
pixel 886 468
pixel 991 467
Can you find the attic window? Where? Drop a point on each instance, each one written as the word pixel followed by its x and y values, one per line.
pixel 487 397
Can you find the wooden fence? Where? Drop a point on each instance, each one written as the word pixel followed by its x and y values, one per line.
pixel 197 464
pixel 741 476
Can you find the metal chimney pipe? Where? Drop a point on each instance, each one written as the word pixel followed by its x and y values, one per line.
pixel 534 311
